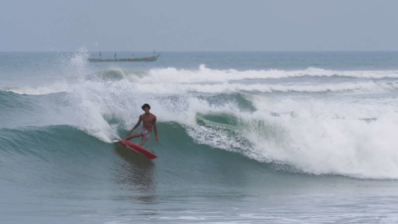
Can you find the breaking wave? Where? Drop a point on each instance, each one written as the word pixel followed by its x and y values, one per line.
pixel 228 110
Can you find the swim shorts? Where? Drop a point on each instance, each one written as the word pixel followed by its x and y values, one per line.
pixel 144 133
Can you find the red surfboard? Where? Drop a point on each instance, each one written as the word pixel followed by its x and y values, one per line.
pixel 136 148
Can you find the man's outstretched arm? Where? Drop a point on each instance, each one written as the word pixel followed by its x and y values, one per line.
pixel 136 126
pixel 155 129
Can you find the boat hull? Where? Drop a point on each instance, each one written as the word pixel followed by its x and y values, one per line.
pixel 147 59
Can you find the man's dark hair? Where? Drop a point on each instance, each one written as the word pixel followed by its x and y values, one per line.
pixel 145 105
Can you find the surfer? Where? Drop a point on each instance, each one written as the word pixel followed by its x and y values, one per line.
pixel 148 120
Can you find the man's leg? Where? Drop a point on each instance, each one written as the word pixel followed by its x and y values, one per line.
pixel 143 140
pixel 132 136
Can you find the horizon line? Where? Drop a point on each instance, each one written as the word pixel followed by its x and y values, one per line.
pixel 265 51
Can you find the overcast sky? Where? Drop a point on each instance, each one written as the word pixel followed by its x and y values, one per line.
pixel 201 25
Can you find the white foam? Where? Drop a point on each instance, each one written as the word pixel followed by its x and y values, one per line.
pixel 315 137
pixel 330 138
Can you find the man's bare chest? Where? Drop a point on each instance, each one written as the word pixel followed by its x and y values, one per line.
pixel 147 119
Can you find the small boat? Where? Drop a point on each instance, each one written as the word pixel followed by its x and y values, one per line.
pixel 146 59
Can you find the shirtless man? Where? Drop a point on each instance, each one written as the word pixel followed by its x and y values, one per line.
pixel 149 121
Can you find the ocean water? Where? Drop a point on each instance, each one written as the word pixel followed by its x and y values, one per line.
pixel 245 137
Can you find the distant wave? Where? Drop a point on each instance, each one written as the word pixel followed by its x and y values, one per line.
pixel 203 74
pixel 206 75
pixel 160 88
pixel 205 80
pixel 44 90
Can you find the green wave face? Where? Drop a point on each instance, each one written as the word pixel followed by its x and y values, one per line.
pixel 61 155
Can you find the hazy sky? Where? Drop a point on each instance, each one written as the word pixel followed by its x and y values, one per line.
pixel 201 25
